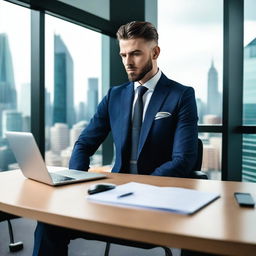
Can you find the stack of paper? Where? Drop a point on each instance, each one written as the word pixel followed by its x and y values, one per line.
pixel 174 199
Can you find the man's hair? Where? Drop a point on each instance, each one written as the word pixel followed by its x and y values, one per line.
pixel 137 29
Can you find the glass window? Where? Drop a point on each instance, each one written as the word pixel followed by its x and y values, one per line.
pixel 249 95
pixel 73 86
pixel 212 148
pixel 191 42
pixel 14 76
pixel 249 99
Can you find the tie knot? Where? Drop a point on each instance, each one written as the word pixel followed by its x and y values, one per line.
pixel 141 90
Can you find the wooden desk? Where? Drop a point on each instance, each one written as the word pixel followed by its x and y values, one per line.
pixel 221 227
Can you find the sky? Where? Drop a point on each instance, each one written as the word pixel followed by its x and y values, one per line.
pixel 15 22
pixel 84 46
pixel 85 49
pixel 191 35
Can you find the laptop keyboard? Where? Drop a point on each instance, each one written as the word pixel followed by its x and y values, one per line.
pixel 56 178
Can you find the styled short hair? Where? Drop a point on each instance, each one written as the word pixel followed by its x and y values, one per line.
pixel 137 29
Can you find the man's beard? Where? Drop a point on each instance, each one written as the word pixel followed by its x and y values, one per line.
pixel 147 68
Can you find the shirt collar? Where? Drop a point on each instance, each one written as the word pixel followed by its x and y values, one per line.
pixel 151 83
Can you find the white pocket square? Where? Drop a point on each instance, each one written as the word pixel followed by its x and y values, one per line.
pixel 160 115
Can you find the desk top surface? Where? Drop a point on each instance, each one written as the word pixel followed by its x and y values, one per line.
pixel 220 227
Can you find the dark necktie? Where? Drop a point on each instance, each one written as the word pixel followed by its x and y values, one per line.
pixel 136 126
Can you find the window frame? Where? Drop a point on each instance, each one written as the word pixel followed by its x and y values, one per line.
pixel 232 128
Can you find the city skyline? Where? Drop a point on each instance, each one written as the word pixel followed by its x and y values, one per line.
pixel 73 33
pixel 59 131
pixel 89 88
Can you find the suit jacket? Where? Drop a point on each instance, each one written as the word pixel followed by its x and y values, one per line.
pixel 168 142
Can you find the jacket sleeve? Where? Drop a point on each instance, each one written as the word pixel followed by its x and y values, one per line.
pixel 91 137
pixel 184 153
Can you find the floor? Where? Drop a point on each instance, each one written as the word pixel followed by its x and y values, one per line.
pixel 24 230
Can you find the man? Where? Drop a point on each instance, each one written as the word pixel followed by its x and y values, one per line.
pixel 153 121
pixel 167 139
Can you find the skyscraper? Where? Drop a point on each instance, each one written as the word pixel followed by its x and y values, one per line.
pixel 8 97
pixel 12 121
pixel 81 112
pixel 24 105
pixel 214 103
pixel 200 109
pixel 249 112
pixel 48 109
pixel 76 131
pixel 92 96
pixel 63 103
pixel 59 137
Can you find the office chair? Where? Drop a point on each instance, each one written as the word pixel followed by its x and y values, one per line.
pixel 13 246
pixel 196 174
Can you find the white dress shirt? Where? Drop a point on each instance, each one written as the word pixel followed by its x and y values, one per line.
pixel 150 84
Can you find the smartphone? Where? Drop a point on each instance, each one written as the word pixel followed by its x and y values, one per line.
pixel 244 199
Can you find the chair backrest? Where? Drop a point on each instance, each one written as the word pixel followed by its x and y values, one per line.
pixel 198 164
pixel 197 173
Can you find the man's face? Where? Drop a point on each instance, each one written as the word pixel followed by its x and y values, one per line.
pixel 136 55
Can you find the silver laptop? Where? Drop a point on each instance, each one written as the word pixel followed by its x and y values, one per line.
pixel 33 166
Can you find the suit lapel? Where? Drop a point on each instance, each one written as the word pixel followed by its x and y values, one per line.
pixel 157 99
pixel 126 104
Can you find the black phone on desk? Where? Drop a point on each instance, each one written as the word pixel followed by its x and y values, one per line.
pixel 244 199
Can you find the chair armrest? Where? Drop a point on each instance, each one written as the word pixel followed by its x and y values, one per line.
pixel 199 175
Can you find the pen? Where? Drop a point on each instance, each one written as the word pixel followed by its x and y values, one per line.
pixel 126 194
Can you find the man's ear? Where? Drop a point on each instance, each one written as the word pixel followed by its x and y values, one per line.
pixel 156 52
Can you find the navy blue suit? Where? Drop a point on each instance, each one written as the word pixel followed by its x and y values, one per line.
pixel 167 146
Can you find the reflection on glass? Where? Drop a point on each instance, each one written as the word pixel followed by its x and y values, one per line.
pixel 249 158
pixel 212 144
pixel 14 76
pixel 191 41
pixel 73 79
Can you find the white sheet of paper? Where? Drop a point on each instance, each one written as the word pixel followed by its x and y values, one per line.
pixel 174 199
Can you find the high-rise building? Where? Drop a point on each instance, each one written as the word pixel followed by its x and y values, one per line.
pixel 214 102
pixel 210 158
pixel 6 158
pixel 76 131
pixel 63 103
pixel 59 137
pixel 74 134
pixel 24 105
pixel 92 96
pixel 8 97
pixel 249 112
pixel 12 121
pixel 48 119
pixel 211 119
pixel 26 123
pixel 81 112
pixel 200 109
pixel 59 141
pixel 48 109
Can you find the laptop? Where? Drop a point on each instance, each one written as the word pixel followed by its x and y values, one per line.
pixel 33 166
